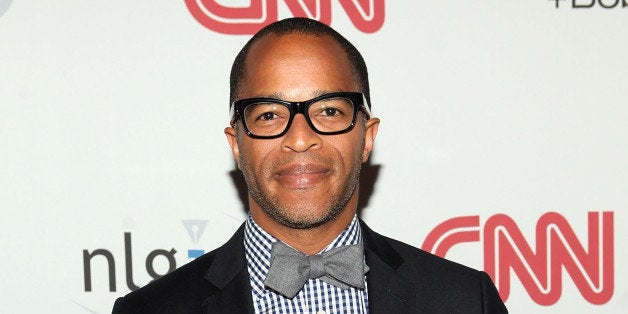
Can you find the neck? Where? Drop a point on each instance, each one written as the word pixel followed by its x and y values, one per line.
pixel 308 241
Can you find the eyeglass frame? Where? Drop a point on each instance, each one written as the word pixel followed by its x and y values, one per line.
pixel 357 99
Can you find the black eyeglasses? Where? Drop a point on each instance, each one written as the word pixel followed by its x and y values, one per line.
pixel 328 114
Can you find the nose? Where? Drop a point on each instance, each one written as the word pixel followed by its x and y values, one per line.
pixel 300 136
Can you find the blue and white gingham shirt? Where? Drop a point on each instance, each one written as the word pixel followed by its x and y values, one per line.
pixel 316 296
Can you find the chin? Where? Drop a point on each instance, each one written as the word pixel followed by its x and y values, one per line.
pixel 304 218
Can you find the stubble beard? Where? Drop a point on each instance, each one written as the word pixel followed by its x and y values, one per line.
pixel 292 215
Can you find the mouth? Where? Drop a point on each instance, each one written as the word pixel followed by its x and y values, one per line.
pixel 301 176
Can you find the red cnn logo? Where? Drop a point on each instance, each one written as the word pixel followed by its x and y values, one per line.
pixel 540 270
pixel 366 15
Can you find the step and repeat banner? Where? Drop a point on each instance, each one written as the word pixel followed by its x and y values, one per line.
pixel 503 142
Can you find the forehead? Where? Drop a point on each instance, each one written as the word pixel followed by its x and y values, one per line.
pixel 296 63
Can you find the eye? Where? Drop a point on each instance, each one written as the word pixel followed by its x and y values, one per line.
pixel 267 116
pixel 331 108
pixel 331 111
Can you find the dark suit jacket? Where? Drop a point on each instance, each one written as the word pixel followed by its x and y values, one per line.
pixel 401 279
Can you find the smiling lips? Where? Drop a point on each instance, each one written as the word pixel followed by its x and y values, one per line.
pixel 301 176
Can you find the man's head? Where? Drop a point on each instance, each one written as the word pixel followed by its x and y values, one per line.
pixel 301 179
pixel 300 26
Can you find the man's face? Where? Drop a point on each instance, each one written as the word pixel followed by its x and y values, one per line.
pixel 302 179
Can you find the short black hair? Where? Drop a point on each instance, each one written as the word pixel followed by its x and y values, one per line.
pixel 304 26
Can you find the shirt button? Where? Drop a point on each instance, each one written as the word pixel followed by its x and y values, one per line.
pixel 322 312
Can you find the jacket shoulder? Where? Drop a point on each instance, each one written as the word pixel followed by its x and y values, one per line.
pixel 441 285
pixel 412 260
pixel 175 292
pixel 187 288
pixel 429 266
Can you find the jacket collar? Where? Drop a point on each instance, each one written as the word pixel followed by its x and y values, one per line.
pixel 229 276
pixel 389 291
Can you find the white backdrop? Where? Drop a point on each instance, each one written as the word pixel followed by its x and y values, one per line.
pixel 111 119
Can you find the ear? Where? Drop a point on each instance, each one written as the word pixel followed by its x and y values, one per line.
pixel 232 138
pixel 370 133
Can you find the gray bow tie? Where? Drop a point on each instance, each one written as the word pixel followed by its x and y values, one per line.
pixel 289 269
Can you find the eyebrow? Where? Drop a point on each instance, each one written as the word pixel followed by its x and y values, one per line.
pixel 316 93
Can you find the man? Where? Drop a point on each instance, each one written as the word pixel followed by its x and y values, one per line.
pixel 301 129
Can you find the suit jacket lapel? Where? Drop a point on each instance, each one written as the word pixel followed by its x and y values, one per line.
pixel 230 277
pixel 388 291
